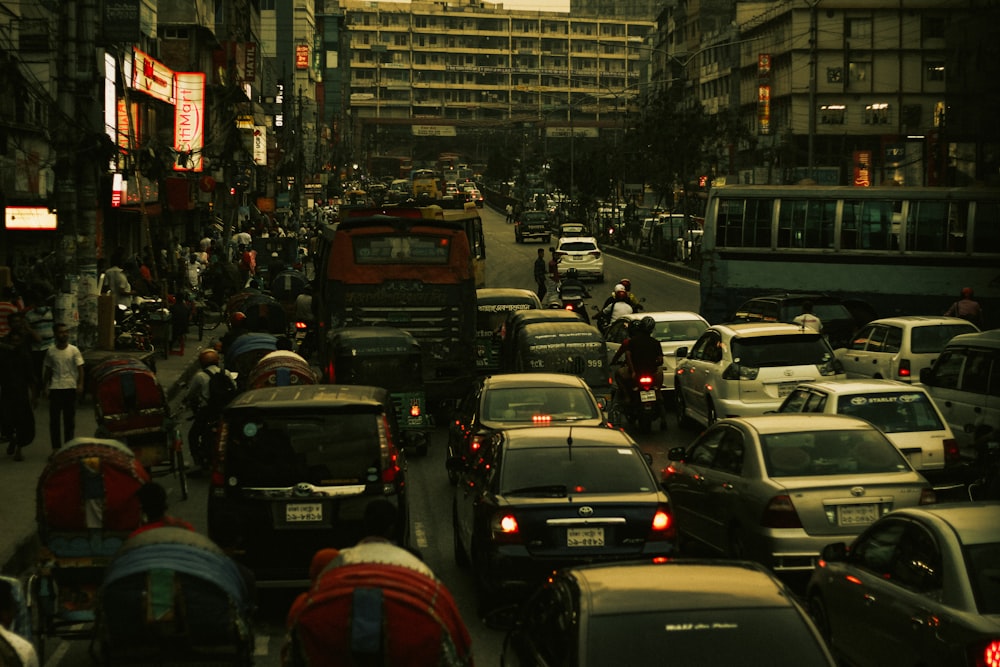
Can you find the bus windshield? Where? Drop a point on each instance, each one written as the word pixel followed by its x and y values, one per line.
pixel 400 249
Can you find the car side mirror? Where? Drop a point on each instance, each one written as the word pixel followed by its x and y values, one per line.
pixel 677 453
pixel 648 458
pixel 927 376
pixel 835 552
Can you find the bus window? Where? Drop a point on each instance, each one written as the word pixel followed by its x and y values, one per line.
pixel 806 223
pixel 874 223
pixel 926 225
pixel 729 225
pixel 987 229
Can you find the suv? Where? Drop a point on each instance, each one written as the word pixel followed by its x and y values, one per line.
pixel 295 468
pixel 747 369
pixel 965 384
pixel 899 348
pixel 532 225
pixel 581 253
pixel 840 318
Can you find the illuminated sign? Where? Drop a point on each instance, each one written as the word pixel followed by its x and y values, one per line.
pixel 250 61
pixel 260 144
pixel 764 109
pixel 123 118
pixel 152 77
pixel 29 217
pixel 301 56
pixel 189 121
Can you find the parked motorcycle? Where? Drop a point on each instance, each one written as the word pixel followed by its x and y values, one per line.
pixel 133 330
pixel 639 403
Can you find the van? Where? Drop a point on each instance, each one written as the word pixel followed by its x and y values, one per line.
pixel 493 306
pixel 294 469
pixel 965 384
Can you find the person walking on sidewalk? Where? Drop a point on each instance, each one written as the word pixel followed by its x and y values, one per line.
pixel 63 379
pixel 18 387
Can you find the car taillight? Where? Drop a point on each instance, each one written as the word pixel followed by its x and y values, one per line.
pixel 415 408
pixel 740 372
pixel 952 455
pixel 662 527
pixel 595 253
pixel 904 369
pixel 645 382
pixel 927 496
pixel 541 419
pixel 780 513
pixel 504 528
pixel 301 326
pixel 570 306
pixel 389 457
pixel 985 654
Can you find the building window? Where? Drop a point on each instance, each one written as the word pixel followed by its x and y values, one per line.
pixel 877 114
pixel 832 114
pixel 266 5
pixel 935 71
pixel 858 28
pixel 859 71
pixel 932 27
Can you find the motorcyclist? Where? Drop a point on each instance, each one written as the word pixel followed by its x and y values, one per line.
pixel 618 307
pixel 643 355
pixel 633 301
pixel 571 285
pixel 198 400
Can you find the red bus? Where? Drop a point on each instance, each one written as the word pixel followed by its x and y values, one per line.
pixel 413 273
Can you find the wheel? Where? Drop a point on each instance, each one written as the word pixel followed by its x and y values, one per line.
pixel 817 610
pixel 736 547
pixel 710 416
pixel 682 419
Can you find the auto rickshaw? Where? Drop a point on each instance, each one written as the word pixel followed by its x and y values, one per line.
pixel 576 348
pixel 493 306
pixel 384 357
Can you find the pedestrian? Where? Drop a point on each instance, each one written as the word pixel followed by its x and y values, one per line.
pixel 40 318
pixel 117 283
pixel 62 378
pixel 540 271
pixel 967 308
pixel 807 320
pixel 18 388
pixel 153 499
pixel 9 304
pixel 510 213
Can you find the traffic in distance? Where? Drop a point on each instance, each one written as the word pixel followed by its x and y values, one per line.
pixel 632 437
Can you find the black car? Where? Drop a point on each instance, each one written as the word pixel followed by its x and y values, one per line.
pixel 294 471
pixel 532 225
pixel 840 317
pixel 538 499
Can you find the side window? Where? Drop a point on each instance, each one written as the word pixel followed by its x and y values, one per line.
pixel 948 369
pixel 549 625
pixel 876 343
pixel 861 338
pixel 893 340
pixel 876 550
pixel 703 451
pixel 796 401
pixel 707 348
pixel 918 561
pixel 977 371
pixel 816 403
pixel 729 456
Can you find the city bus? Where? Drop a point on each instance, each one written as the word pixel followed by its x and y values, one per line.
pixel 903 250
pixel 413 273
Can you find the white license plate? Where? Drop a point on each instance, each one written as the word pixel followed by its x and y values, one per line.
pixel 303 512
pixel 856 515
pixel 785 388
pixel 647 396
pixel 585 537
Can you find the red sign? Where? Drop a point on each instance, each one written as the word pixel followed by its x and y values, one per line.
pixel 302 56
pixel 862 168
pixel 189 121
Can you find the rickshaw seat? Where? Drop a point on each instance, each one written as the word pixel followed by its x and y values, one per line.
pixel 81 545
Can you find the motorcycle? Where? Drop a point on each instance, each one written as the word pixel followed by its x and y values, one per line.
pixel 133 330
pixel 639 403
pixel 572 299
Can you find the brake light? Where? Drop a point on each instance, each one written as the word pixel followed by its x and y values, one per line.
pixel 927 496
pixel 904 369
pixel 952 455
pixel 662 527
pixel 985 654
pixel 504 528
pixel 477 441
pixel 301 325
pixel 740 372
pixel 780 513
pixel 595 253
pixel 645 382
pixel 569 306
pixel 415 408
pixel 389 456
pixel 541 419
pixel 331 373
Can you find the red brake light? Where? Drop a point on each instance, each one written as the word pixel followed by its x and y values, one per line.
pixel 301 325
pixel 780 513
pixel 415 410
pixel 952 455
pixel 662 526
pixel 541 419
pixel 645 382
pixel 986 655
pixel 504 528
pixel 904 368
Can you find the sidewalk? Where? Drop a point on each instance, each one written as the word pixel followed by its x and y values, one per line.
pixel 18 479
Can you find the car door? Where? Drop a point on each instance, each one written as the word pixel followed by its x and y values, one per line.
pixel 548 629
pixel 686 485
pixel 701 370
pixel 959 385
pixel 856 358
pixel 724 486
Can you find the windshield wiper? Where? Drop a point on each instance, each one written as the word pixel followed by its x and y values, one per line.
pixel 551 490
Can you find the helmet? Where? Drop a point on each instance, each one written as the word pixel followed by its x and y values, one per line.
pixel 573 273
pixel 208 357
pixel 620 288
pixel 966 292
pixel 626 284
pixel 647 324
pixel 238 318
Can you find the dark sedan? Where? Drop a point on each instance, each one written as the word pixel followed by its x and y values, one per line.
pixel 540 499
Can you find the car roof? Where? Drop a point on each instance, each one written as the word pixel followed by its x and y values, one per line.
pixel 666 315
pixel 576 331
pixel 508 380
pixel 920 320
pixel 677 585
pixel 989 338
pixel 311 397
pixel 861 385
pixel 505 295
pixel 751 329
pixel 810 421
pixel 563 436
pixel 534 315
pixel 975 523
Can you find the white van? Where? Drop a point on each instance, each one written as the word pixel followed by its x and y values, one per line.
pixel 965 384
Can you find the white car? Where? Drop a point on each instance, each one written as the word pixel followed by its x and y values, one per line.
pixel 898 348
pixel 674 329
pixel 905 413
pixel 747 369
pixel 583 254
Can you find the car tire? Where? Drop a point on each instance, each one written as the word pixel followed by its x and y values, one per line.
pixel 820 617
pixel 710 415
pixel 683 420
pixel 736 548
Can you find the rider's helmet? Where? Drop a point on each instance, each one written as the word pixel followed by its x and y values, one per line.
pixel 646 325
pixel 620 291
pixel 208 358
pixel 573 274
pixel 626 283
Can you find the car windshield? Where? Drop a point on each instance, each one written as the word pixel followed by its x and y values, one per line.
pixel 932 339
pixel 676 330
pixel 539 404
pixel 983 561
pixel 283 450
pixel 895 412
pixel 791 350
pixel 577 246
pixel 826 312
pixel 734 636
pixel 574 469
pixel 815 454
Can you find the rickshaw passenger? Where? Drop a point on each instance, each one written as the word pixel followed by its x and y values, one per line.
pixel 153 498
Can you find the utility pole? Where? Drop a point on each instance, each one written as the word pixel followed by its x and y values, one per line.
pixel 813 34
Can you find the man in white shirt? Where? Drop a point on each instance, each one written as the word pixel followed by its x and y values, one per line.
pixel 62 377
pixel 807 320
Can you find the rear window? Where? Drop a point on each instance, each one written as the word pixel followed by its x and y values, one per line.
pixel 983 561
pixel 577 246
pixel 283 450
pixel 790 350
pixel 393 249
pixel 736 637
pixel 809 454
pixel 826 312
pixel 537 404
pixel 574 469
pixel 932 339
pixel 678 330
pixel 896 412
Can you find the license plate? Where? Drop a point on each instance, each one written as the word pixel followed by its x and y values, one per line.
pixel 585 537
pixel 856 515
pixel 303 512
pixel 647 396
pixel 785 388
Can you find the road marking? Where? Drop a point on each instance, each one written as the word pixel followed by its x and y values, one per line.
pixel 261 645
pixel 420 535
pixel 58 654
